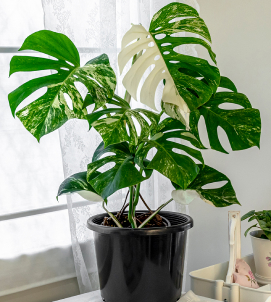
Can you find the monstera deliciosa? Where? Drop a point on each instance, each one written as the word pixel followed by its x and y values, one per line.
pixel 135 141
pixel 50 111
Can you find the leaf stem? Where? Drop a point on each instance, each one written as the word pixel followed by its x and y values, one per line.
pixel 108 114
pixel 112 216
pixel 145 203
pixel 154 213
pixel 130 213
pixel 136 196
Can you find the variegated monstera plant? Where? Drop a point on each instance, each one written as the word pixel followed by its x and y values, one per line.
pixel 190 91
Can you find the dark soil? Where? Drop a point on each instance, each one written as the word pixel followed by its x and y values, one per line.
pixel 156 221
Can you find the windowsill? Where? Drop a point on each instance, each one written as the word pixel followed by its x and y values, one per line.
pixel 37 251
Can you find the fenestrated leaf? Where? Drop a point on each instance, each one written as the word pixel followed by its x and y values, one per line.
pixel 113 129
pixel 170 124
pixel 242 126
pixel 219 197
pixel 179 168
pixel 123 174
pixel 51 111
pixel 77 183
pixel 180 72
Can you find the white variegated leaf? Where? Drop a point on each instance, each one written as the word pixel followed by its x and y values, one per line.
pixel 157 49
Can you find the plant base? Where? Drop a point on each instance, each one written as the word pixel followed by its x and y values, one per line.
pixel 141 265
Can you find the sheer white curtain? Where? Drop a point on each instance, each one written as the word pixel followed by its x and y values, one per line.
pixel 97 27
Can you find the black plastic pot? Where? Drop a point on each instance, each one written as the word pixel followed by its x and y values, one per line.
pixel 141 265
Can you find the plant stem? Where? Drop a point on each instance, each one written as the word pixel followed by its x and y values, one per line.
pixel 136 196
pixel 154 213
pixel 108 114
pixel 130 213
pixel 145 203
pixel 112 216
pixel 124 206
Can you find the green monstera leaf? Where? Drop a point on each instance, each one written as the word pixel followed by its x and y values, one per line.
pixel 242 126
pixel 112 123
pixel 181 73
pixel 77 183
pixel 122 175
pixel 179 168
pixel 50 111
pixel 219 197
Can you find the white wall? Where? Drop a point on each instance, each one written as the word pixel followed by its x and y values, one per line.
pixel 241 34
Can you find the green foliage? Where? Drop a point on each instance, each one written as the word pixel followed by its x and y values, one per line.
pixel 50 111
pixel 220 197
pixel 78 183
pixel 263 222
pixel 179 168
pixel 242 126
pixel 112 124
pixel 122 175
pixel 123 159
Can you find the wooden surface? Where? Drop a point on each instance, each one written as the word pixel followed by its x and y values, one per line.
pixel 96 297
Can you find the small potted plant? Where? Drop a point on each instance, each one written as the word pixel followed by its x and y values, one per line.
pixel 261 243
pixel 140 254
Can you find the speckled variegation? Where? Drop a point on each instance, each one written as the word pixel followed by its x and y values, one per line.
pixel 50 111
pixel 179 167
pixel 242 126
pixel 113 128
pixel 123 174
pixel 77 183
pixel 180 72
pixel 220 197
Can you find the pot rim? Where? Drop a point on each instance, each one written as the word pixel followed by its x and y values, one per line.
pixel 254 233
pixel 186 223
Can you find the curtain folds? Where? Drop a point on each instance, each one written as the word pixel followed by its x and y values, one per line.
pixel 96 27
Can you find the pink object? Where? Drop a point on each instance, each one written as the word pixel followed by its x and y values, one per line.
pixel 243 275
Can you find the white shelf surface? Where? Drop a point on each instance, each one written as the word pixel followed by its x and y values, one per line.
pixel 95 296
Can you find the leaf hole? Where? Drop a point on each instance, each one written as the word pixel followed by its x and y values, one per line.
pixel 145 118
pixel 214 185
pixel 81 89
pixel 156 57
pixel 137 126
pixel 177 19
pixel 177 151
pixel 107 154
pixel 166 52
pixel 151 153
pixel 160 36
pixel 143 173
pixel 230 106
pixel 70 63
pixel 174 62
pixel 203 132
pixel 68 100
pixel 127 129
pixel 137 167
pixel 158 28
pixel 163 71
pixel 223 138
pixel 165 44
pixel 106 167
pixel 151 44
pixel 64 68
